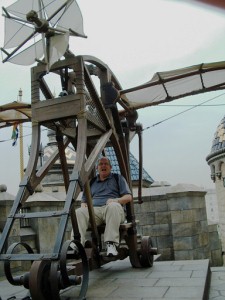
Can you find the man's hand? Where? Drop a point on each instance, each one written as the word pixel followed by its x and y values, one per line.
pixel 83 204
pixel 122 200
pixel 109 201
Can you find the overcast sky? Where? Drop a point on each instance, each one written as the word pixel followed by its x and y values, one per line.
pixel 136 39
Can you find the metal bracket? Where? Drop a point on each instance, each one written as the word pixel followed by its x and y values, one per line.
pixel 76 177
pixel 25 183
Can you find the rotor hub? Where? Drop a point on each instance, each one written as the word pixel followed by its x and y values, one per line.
pixel 41 25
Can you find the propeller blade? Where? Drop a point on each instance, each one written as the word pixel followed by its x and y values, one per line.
pixel 58 45
pixel 15 32
pixel 29 55
pixel 21 7
pixel 175 84
pixel 25 19
pixel 72 19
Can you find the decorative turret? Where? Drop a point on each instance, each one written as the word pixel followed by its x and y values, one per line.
pixel 216 158
pixel 216 161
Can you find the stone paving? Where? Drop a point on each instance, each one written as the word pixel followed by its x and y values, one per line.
pixel 168 280
pixel 217 287
pixel 165 280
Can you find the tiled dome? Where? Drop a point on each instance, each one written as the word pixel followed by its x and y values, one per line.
pixel 134 166
pixel 51 147
pixel 219 138
pixel 71 156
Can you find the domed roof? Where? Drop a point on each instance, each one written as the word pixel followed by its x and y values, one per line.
pixel 52 146
pixel 71 156
pixel 218 144
pixel 134 166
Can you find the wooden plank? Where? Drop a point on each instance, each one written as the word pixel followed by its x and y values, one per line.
pixel 96 122
pixel 57 108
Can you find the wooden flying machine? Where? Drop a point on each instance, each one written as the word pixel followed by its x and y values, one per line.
pixel 92 113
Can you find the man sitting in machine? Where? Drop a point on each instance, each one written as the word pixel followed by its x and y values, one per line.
pixel 110 192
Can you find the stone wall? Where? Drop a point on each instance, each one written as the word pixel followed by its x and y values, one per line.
pixel 176 220
pixel 174 217
pixel 46 229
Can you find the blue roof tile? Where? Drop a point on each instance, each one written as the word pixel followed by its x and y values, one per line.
pixel 134 166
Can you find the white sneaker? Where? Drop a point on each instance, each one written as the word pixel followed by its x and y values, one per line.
pixel 73 246
pixel 111 249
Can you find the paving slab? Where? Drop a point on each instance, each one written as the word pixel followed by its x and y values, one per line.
pixel 170 280
pixel 217 285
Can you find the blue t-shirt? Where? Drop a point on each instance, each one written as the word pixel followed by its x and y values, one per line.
pixel 101 191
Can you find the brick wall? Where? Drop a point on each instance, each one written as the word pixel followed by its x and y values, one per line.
pixel 174 217
pixel 176 220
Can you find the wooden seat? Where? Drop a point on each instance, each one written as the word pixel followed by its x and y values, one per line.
pixel 123 226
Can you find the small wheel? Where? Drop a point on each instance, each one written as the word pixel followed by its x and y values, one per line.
pixel 146 255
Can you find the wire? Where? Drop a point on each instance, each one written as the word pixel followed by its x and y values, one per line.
pixel 182 112
pixel 153 125
pixel 22 136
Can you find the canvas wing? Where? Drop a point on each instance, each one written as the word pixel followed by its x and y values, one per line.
pixel 171 85
pixel 14 112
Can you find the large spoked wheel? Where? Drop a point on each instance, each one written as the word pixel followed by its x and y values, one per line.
pixel 39 280
pixel 74 267
pixel 146 254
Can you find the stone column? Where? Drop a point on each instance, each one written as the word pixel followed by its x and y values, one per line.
pixel 189 222
pixel 175 218
pixel 155 221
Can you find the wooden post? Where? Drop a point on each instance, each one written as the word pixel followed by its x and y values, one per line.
pixel 21 140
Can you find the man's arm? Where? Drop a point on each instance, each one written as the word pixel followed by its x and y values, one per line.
pixel 124 189
pixel 121 200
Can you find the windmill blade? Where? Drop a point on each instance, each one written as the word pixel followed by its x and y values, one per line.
pixel 54 21
pixel 58 46
pixel 14 112
pixel 64 15
pixel 29 55
pixel 68 17
pixel 19 33
pixel 15 32
pixel 21 7
pixel 171 85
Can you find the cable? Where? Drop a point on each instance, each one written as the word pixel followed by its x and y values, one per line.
pixel 153 125
pixel 19 137
pixel 182 112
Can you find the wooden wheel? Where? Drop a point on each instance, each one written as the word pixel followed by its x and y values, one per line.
pixel 146 254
